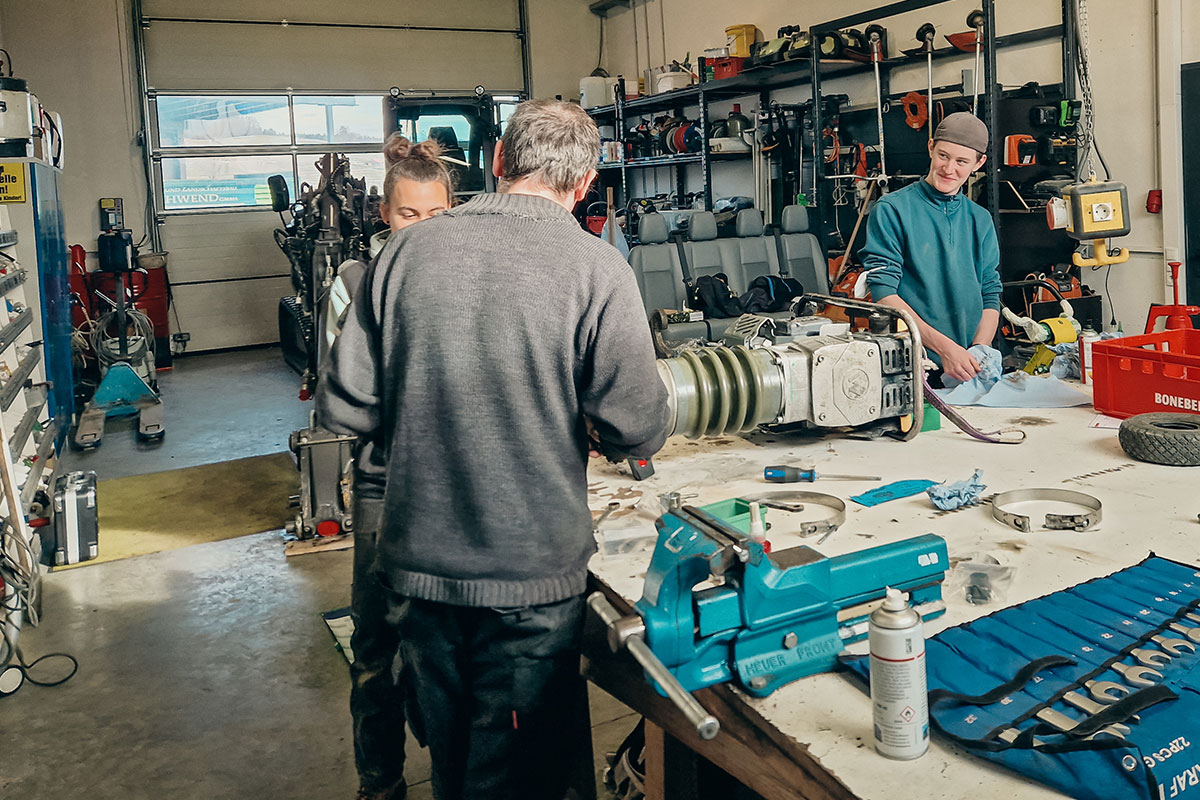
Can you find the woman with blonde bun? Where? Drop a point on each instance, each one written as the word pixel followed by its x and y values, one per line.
pixel 417 186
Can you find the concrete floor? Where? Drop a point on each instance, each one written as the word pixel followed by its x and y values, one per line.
pixel 218 407
pixel 207 671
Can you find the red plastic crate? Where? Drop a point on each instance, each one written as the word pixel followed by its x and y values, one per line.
pixel 1152 372
pixel 727 67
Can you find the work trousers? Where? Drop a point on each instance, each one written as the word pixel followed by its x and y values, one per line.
pixel 495 694
pixel 376 703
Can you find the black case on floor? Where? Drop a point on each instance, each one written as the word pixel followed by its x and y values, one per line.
pixel 75 524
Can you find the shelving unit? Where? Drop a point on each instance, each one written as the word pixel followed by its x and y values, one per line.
pixel 814 72
pixel 36 381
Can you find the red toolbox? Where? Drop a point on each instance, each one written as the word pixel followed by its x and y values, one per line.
pixel 1152 372
pixel 727 67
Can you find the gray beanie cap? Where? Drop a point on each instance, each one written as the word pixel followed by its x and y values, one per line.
pixel 965 129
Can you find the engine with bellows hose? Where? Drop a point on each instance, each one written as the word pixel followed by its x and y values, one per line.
pixel 807 372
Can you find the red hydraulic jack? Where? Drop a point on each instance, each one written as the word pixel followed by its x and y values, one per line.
pixel 1179 317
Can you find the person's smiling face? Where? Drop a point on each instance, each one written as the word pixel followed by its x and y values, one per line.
pixel 950 165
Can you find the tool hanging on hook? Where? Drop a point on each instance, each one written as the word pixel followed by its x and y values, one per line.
pixel 925 34
pixel 876 40
pixel 975 20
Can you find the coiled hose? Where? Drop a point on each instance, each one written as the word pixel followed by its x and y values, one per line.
pixel 107 348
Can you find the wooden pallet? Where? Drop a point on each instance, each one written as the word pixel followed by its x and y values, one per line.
pixel 318 544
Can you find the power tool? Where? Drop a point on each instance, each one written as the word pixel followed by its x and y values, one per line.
pixel 804 371
pixel 773 619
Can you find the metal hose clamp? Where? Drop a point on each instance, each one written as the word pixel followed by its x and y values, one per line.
pixel 1054 522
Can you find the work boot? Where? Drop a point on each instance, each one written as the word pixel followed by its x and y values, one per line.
pixel 397 792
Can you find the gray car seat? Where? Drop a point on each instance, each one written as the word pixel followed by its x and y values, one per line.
pixel 656 266
pixel 802 257
pixel 750 250
pixel 704 252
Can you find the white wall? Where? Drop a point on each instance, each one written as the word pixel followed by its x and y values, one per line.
pixel 564 40
pixel 75 56
pixel 1124 66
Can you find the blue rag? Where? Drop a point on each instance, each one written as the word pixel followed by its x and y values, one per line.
pixel 949 496
pixel 1015 390
pixel 893 491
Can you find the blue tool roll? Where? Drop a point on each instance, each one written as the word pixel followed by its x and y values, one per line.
pixel 990 679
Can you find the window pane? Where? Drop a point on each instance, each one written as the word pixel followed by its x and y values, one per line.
pixel 452 130
pixel 210 121
pixel 338 119
pixel 222 181
pixel 506 110
pixel 367 166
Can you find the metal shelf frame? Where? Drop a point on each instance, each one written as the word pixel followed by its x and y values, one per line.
pixel 814 71
pixel 990 96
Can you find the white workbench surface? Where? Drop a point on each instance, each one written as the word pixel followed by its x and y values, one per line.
pixel 1146 507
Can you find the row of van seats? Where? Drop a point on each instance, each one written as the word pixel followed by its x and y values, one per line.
pixel 751 253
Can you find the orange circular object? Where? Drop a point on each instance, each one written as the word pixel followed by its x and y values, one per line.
pixel 328 527
pixel 916 110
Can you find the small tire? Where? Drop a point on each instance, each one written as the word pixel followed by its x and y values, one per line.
pixel 1162 438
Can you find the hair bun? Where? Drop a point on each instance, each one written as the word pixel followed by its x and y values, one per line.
pixel 430 149
pixel 396 148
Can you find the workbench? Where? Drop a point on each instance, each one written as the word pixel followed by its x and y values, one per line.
pixel 813 738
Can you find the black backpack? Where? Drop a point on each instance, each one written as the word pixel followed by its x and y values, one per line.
pixel 712 295
pixel 770 293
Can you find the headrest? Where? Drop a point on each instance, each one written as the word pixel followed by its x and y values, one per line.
pixel 445 136
pixel 795 219
pixel 749 222
pixel 702 226
pixel 652 229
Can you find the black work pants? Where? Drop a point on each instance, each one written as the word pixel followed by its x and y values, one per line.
pixel 376 703
pixel 496 695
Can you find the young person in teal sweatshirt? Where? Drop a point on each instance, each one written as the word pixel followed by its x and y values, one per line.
pixel 934 252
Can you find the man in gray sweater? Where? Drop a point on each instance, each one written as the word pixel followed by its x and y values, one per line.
pixel 488 350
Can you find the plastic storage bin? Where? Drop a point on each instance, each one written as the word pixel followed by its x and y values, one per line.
pixel 727 67
pixel 1151 372
pixel 738 39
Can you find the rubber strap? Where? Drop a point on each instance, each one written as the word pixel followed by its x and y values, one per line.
pixel 966 427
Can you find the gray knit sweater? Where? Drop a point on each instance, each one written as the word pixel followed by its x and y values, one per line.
pixel 477 345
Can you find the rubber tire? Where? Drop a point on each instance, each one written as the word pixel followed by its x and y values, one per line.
pixel 1162 438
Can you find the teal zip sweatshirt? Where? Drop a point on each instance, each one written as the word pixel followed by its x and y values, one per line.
pixel 938 253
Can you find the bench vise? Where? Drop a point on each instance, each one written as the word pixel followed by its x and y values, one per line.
pixel 766 620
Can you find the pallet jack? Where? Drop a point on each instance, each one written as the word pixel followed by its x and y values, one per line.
pixel 122 391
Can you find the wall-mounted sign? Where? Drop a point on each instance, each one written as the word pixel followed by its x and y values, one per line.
pixel 12 182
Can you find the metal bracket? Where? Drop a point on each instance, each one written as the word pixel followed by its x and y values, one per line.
pixel 796 499
pixel 1054 522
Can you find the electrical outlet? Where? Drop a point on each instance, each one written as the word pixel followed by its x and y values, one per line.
pixel 1102 212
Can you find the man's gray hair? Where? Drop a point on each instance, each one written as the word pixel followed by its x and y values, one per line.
pixel 552 142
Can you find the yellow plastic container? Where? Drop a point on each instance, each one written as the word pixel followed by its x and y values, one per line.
pixel 738 39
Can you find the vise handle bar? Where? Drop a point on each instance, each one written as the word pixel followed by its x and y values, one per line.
pixel 628 632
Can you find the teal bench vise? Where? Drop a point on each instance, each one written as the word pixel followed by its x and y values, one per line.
pixel 770 619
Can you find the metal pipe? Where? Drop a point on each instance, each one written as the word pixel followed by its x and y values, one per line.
pixel 646 20
pixel 975 71
pixel 526 59
pixel 875 56
pixel 139 46
pixel 890 10
pixel 662 28
pixel 280 23
pixel 637 56
pixel 706 725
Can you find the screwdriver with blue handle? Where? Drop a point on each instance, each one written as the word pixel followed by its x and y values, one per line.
pixel 785 474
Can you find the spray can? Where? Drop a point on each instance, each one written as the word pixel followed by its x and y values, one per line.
pixel 898 698
pixel 1086 339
